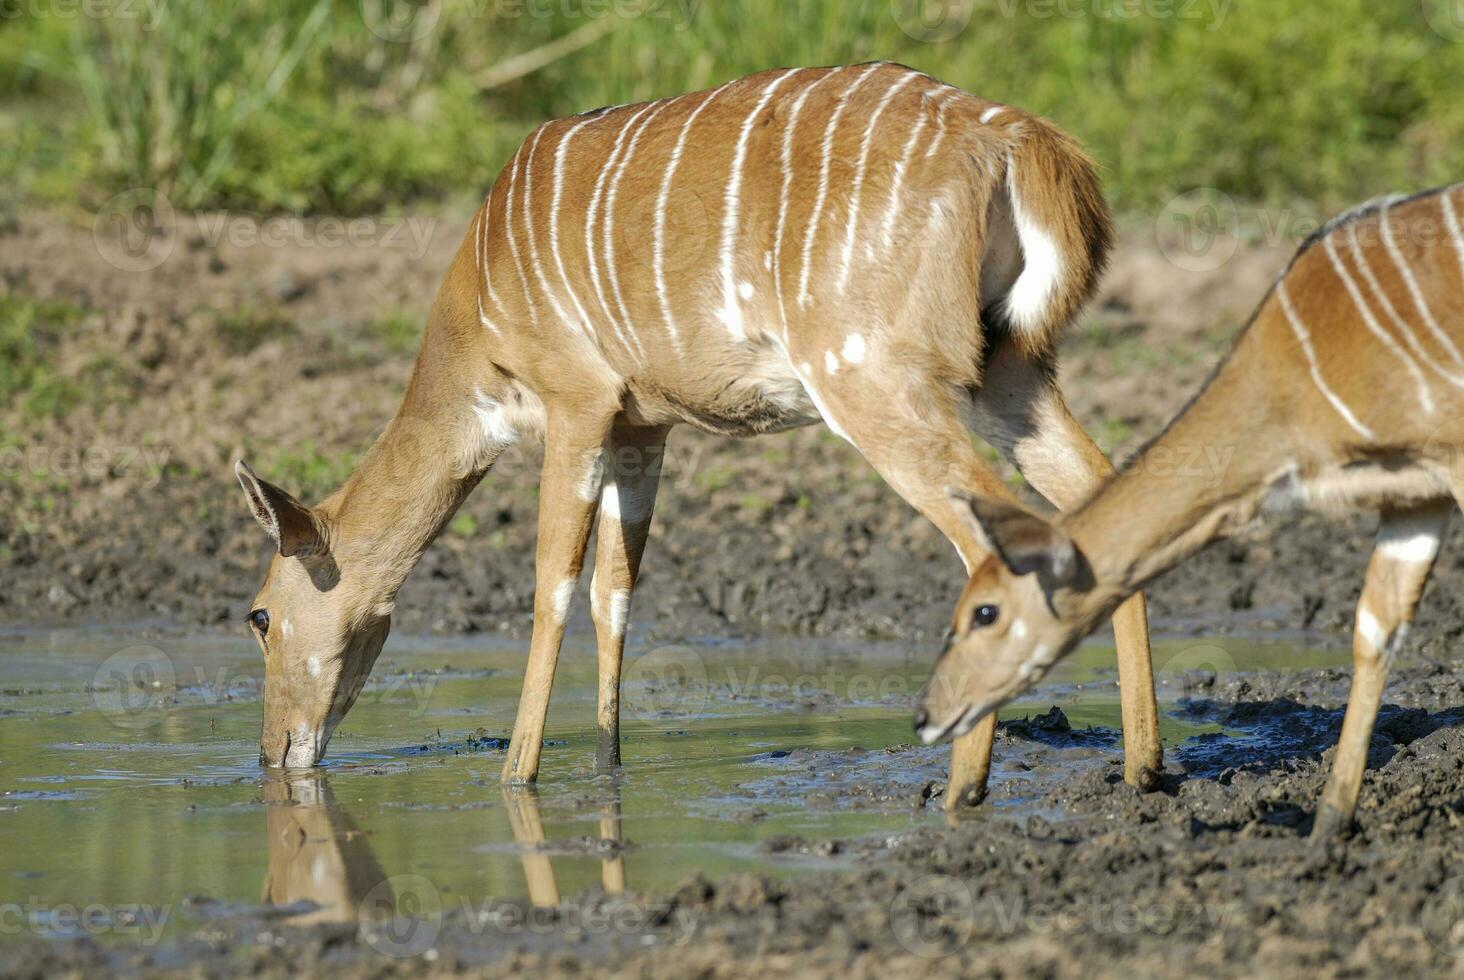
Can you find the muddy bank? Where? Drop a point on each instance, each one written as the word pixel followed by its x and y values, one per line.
pixel 120 500
pixel 1211 875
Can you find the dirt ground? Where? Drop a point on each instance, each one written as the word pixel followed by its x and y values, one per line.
pixel 292 354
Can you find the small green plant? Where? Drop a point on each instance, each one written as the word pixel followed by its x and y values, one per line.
pixel 244 329
pixel 399 333
pixel 30 330
pixel 308 472
pixel 464 525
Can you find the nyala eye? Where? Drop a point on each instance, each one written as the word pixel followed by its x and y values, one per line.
pixel 259 619
pixel 984 616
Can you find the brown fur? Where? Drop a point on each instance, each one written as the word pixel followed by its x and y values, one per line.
pixel 1339 394
pixel 606 292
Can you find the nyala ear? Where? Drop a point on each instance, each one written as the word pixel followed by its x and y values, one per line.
pixel 295 528
pixel 1024 542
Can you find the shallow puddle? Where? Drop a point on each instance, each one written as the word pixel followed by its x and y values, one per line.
pixel 129 782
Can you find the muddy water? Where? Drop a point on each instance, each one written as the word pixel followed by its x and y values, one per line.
pixel 130 791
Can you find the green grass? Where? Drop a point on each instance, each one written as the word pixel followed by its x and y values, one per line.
pixel 307 472
pixel 29 333
pixel 297 105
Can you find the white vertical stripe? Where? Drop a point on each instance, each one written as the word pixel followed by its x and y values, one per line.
pixel 859 173
pixel 513 246
pixel 1382 297
pixel 595 199
pixel 559 311
pixel 940 127
pixel 787 162
pixel 554 201
pixel 1413 289
pixel 609 228
pixel 1425 396
pixel 658 257
pixel 898 183
pixel 487 260
pixel 1451 221
pixel 804 297
pixel 1304 339
pixel 731 311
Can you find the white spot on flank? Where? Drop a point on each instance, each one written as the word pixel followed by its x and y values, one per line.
pixel 768 260
pixel 991 113
pixel 831 362
pixel 861 169
pixel 854 348
pixel 745 289
pixel 1041 264
pixel 563 594
pixel 731 311
pixel 804 296
pixel 313 665
pixel 1371 630
pixel 619 611
pixel 1304 338
pixel 658 240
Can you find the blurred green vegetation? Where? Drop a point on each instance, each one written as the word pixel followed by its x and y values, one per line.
pixel 301 105
pixel 29 331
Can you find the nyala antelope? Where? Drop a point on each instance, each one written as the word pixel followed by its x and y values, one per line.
pixel 862 246
pixel 1345 391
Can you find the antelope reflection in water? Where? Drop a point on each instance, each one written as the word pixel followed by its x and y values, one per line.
pixel 318 855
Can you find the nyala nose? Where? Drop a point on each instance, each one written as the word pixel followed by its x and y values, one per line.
pixel 921 717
